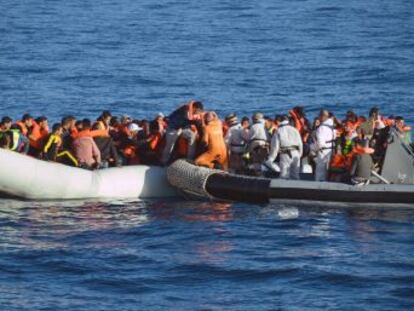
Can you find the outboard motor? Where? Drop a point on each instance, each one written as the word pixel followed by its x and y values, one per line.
pixel 398 167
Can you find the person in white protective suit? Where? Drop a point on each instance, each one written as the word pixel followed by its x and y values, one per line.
pixel 258 144
pixel 323 145
pixel 236 143
pixel 287 142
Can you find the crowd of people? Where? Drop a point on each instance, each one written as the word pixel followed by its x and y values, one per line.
pixel 339 150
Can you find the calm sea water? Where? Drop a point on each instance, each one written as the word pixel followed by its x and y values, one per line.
pixel 139 57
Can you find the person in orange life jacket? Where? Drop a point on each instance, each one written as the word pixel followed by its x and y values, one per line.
pixel 362 163
pixel 105 143
pixel 216 154
pixel 179 123
pixel 29 128
pixel 129 145
pixel 43 129
pixel 52 150
pixel 149 152
pixel 86 151
pixel 301 123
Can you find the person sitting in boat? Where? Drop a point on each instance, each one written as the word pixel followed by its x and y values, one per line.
pixel 258 143
pixel 29 128
pixel 236 143
pixel 53 148
pixel 105 143
pixel 150 148
pixel 362 163
pixel 179 124
pixel 104 120
pixel 403 129
pixel 129 145
pixel 287 143
pixel 323 145
pixel 12 139
pixel 86 151
pixel 5 124
pixel 216 154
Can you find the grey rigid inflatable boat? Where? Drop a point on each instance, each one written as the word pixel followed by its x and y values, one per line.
pixel 394 185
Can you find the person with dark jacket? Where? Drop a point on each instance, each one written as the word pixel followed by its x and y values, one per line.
pixel 362 163
pixel 179 123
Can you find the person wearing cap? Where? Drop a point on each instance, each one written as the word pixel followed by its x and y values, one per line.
pixel 85 149
pixel 287 142
pixel 362 163
pixel 236 143
pixel 129 145
pixel 258 144
pixel 216 154
pixel 180 123
pixel 323 145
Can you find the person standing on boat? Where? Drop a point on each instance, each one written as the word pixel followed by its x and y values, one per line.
pixel 236 143
pixel 179 123
pixel 323 145
pixel 258 145
pixel 287 142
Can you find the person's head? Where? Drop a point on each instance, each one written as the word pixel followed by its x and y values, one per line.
pixel 68 122
pixel 27 120
pixel 6 123
pixel 279 118
pixel 133 129
pixel 231 119
pixel 159 117
pixel 257 117
pixel 324 115
pixel 154 127
pixel 198 106
pixel 374 113
pixel 268 122
pixel 42 122
pixel 316 123
pixel 125 119
pixel 57 129
pixel 399 122
pixel 86 124
pixel 114 122
pixel 299 110
pixel 105 117
pixel 210 116
pixel 351 116
pixel 245 122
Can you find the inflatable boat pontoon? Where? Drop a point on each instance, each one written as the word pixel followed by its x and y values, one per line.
pixel 24 177
pixel 394 185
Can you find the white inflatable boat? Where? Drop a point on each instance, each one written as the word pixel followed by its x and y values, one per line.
pixel 24 177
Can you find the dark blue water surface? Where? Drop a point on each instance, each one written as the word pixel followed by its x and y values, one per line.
pixel 140 57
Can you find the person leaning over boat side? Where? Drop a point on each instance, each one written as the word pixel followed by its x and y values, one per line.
pixel 86 151
pixel 287 142
pixel 179 123
pixel 53 148
pixel 323 145
pixel 258 144
pixel 362 163
pixel 236 143
pixel 216 153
